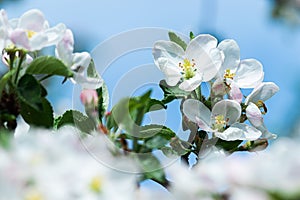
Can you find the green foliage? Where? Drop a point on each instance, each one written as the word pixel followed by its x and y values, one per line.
pixel 4 80
pixel 175 38
pixel 152 168
pixel 103 100
pixel 192 36
pixel 172 92
pixel 30 91
pixel 77 119
pixel 49 65
pixel 228 145
pixel 42 117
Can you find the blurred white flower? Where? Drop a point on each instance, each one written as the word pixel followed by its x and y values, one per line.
pixel 198 63
pixel 32 32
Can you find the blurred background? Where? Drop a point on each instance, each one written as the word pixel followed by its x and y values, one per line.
pixel 267 30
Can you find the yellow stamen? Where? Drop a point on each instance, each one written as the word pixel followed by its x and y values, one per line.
pixel 262 106
pixel 96 184
pixel 30 33
pixel 188 68
pixel 228 74
pixel 220 122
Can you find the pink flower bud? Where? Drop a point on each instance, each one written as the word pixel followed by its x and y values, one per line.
pixel 89 97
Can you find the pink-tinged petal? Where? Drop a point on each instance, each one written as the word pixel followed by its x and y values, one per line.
pixel 169 51
pixel 249 73
pixel 33 20
pixel 230 109
pixel 218 88
pixel 239 131
pixel 19 38
pixel 64 49
pixel 254 115
pixel 89 96
pixel 203 125
pixel 235 93
pixel 263 92
pixel 192 83
pixel 197 112
pixel 231 52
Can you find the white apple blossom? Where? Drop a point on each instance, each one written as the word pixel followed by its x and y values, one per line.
pixel 50 165
pixel 4 30
pixel 78 62
pixel 222 121
pixel 32 31
pixel 255 101
pixel 200 61
pixel 237 73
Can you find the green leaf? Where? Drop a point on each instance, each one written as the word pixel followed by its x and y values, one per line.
pixel 49 65
pixel 156 142
pixel 129 112
pixel 192 36
pixel 42 117
pixel 152 168
pixel 179 146
pixel 30 91
pixel 228 145
pixel 77 119
pixel 103 100
pixel 4 79
pixel 174 38
pixel 91 70
pixel 152 130
pixel 172 92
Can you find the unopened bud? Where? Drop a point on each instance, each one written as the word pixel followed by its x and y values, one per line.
pixel 89 97
pixel 258 145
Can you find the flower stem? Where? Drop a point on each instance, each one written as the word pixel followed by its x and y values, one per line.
pixel 22 56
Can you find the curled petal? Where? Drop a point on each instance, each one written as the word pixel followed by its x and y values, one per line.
pixel 254 115
pixel 231 52
pixel 19 38
pixel 197 112
pixel 80 61
pixel 262 92
pixel 87 82
pixel 249 73
pixel 239 131
pixel 230 109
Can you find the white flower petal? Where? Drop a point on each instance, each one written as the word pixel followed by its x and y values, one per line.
pixel 239 131
pixel 196 111
pixel 172 73
pixel 205 42
pixel 55 34
pixel 81 61
pixel 254 115
pixel 266 133
pixel 218 88
pixel 87 82
pixel 192 83
pixel 32 20
pixel 230 109
pixel 231 52
pixel 168 50
pixel 249 73
pixel 263 92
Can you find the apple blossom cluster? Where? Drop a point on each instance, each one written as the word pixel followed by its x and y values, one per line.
pixel 204 62
pixel 22 44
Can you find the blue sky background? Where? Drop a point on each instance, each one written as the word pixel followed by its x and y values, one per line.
pixel 249 22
